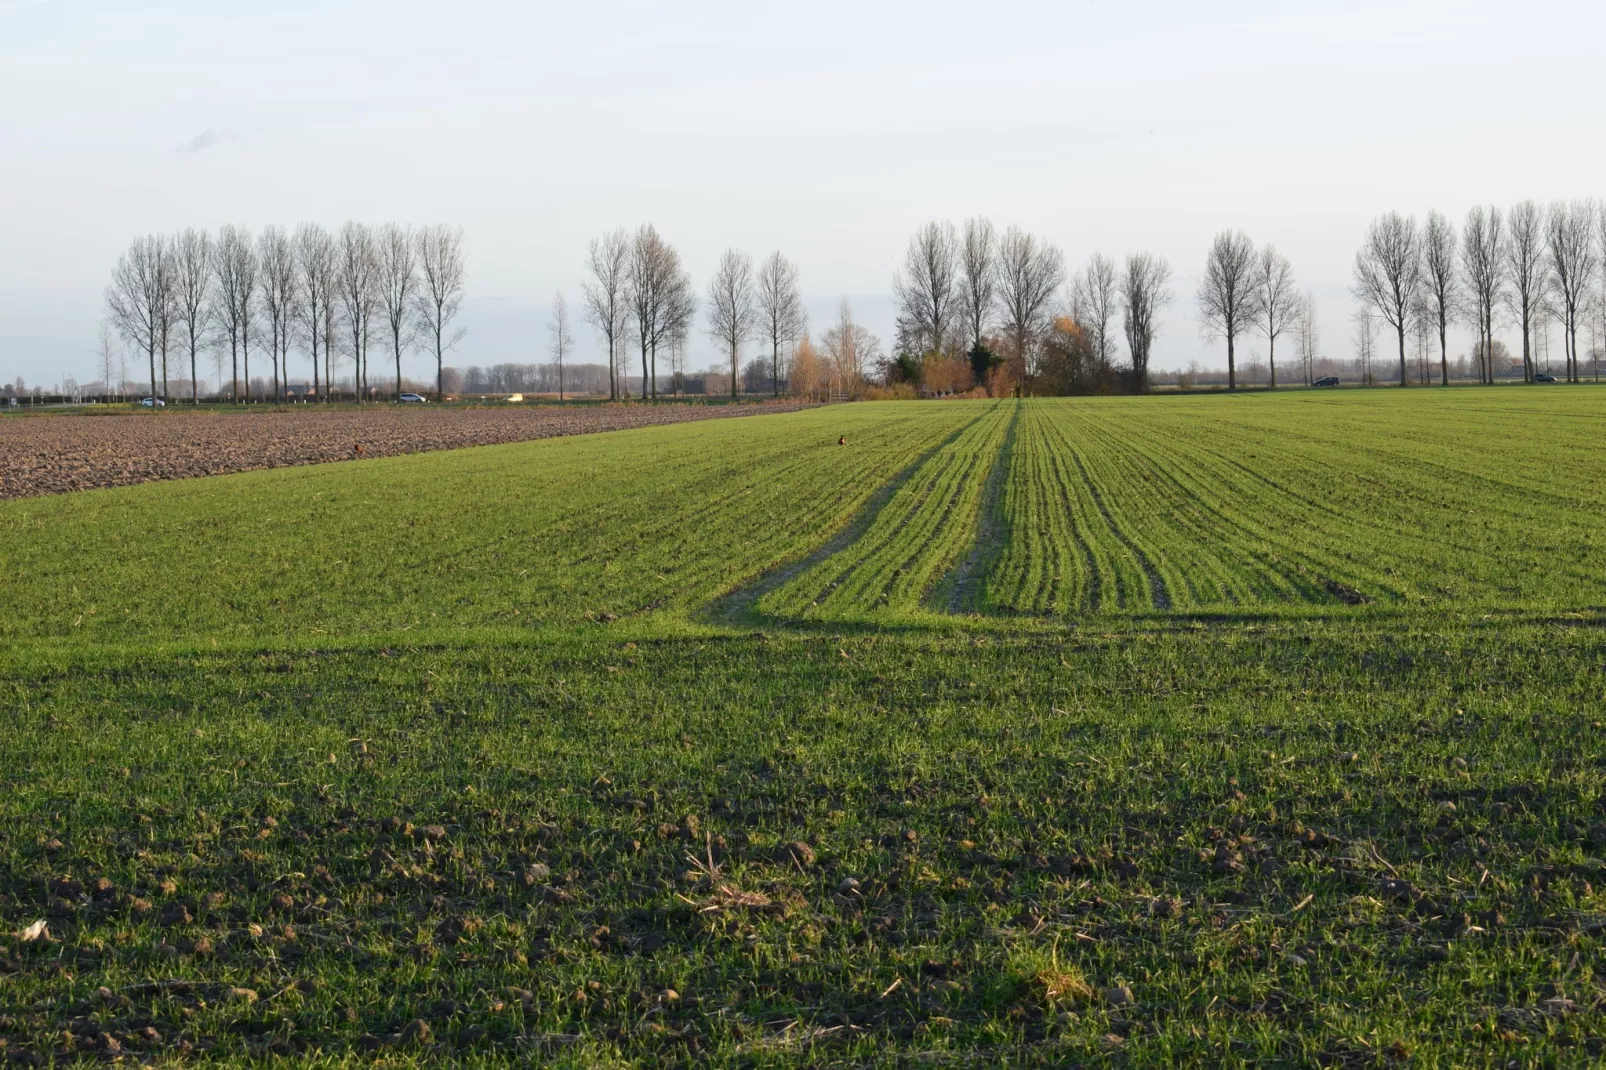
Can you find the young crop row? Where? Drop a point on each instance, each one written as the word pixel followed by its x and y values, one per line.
pixel 1270 506
pixel 552 532
pixel 1299 504
pixel 917 535
pixel 1302 844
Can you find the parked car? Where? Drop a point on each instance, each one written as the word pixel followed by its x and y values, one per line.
pixel 1542 377
pixel 153 403
pixel 1326 380
pixel 411 399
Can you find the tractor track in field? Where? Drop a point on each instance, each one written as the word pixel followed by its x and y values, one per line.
pixel 959 591
pixel 741 603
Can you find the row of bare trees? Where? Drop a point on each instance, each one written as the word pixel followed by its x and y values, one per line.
pixel 1520 266
pixel 973 289
pixel 323 294
pixel 639 294
pixel 1245 290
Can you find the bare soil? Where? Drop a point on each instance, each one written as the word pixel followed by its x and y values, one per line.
pixel 56 454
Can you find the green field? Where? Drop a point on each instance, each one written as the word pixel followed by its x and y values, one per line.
pixel 1202 730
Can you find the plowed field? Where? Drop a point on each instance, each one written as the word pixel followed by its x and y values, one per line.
pixel 52 454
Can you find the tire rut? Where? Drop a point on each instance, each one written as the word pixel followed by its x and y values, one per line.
pixel 741 603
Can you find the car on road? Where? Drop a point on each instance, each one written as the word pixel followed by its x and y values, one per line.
pixel 411 399
pixel 1542 377
pixel 1326 380
pixel 153 403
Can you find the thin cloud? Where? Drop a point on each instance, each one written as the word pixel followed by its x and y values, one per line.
pixel 207 139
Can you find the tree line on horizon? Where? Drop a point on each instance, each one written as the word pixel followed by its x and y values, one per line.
pixel 326 295
pixel 1531 263
pixel 978 308
pixel 983 309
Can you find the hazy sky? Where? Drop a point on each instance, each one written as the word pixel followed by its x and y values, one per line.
pixel 828 130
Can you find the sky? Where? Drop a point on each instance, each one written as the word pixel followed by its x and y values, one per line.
pixel 827 130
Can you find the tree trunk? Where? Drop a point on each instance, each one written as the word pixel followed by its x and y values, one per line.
pixel 1232 366
pixel 775 368
pixel 1271 358
pixel 1527 366
pixel 1444 359
pixel 396 339
pixel 1401 330
pixel 1486 359
pixel 151 352
pixel 733 371
pixel 234 368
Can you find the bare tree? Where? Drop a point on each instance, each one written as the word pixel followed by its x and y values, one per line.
pixel 108 355
pixel 192 293
pixel 1030 272
pixel 607 307
pixel 397 278
pixel 780 309
pixel 1483 255
pixel 139 299
pixel 1570 233
pixel 732 310
pixel 1388 273
pixel 281 301
pixel 1527 274
pixel 1228 297
pixel 315 273
pixel 926 288
pixel 978 265
pixel 1094 293
pixel 1441 292
pixel 328 326
pixel 235 275
pixel 679 308
pixel 1365 341
pixel 562 339
pixel 357 283
pixel 645 284
pixel 1276 301
pixel 850 350
pixel 441 272
pixel 679 341
pixel 1307 335
pixel 1144 290
pixel 658 292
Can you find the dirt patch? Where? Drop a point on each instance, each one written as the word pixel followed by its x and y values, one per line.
pixel 1344 593
pixel 56 454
